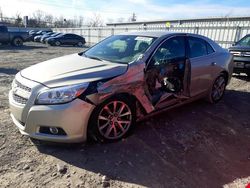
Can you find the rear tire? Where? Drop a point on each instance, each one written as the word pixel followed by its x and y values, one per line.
pixel 17 42
pixel 80 44
pixel 112 120
pixel 218 89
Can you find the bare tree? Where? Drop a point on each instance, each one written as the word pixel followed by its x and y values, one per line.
pixel 95 20
pixel 48 18
pixel 38 16
pixel 59 22
pixel 18 19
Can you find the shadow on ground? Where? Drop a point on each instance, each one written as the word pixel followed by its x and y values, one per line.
pixel 8 71
pixel 242 77
pixel 197 145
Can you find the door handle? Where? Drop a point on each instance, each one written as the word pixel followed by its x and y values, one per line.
pixel 213 64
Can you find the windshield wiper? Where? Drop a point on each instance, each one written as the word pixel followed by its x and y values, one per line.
pixel 93 57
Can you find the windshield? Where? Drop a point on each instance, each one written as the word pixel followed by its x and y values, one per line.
pixel 244 41
pixel 120 48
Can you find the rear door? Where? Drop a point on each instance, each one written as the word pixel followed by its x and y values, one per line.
pixel 203 64
pixel 75 39
pixel 64 39
pixel 4 35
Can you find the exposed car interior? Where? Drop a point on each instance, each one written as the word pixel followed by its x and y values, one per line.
pixel 167 69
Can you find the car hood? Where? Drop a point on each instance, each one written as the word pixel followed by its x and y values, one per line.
pixel 240 48
pixel 72 69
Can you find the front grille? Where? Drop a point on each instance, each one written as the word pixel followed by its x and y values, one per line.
pixel 19 99
pixel 236 53
pixel 242 54
pixel 20 92
pixel 21 86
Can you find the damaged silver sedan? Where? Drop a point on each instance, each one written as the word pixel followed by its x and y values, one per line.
pixel 102 92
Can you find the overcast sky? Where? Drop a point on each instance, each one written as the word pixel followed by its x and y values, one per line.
pixel 144 9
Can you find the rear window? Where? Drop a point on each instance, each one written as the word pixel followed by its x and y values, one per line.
pixel 199 47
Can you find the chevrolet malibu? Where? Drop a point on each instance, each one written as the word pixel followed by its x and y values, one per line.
pixel 102 92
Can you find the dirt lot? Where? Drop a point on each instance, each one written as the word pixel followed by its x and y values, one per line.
pixel 197 145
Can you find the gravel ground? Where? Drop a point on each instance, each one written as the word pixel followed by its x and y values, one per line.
pixel 197 145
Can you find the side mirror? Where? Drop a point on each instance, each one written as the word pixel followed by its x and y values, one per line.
pixel 234 44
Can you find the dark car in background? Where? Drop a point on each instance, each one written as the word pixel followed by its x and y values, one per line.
pixel 12 37
pixel 45 37
pixel 33 34
pixel 241 52
pixel 67 39
pixel 38 38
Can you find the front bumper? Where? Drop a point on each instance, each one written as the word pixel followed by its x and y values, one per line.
pixel 241 64
pixel 71 117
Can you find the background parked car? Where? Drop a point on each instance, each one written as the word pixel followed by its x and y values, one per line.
pixel 31 32
pixel 67 39
pixel 38 38
pixel 37 33
pixel 241 52
pixel 45 37
pixel 15 38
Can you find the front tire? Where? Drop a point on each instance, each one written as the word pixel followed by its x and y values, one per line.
pixel 218 89
pixel 17 42
pixel 112 120
pixel 58 43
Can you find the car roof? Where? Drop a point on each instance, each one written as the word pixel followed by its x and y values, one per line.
pixel 151 33
pixel 159 34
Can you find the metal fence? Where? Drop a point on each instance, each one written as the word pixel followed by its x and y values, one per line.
pixel 223 35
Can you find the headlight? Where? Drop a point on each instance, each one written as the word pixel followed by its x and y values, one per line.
pixel 61 94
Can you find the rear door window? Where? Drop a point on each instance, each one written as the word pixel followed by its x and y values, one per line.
pixel 197 47
pixel 210 50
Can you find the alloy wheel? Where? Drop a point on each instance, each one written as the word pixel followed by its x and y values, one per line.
pixel 218 88
pixel 114 120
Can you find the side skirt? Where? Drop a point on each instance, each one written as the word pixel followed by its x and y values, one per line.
pixel 175 105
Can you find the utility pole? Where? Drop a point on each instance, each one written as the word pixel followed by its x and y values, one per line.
pixel 133 19
pixel 1 15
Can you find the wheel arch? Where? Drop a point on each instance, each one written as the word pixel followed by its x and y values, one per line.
pixel 226 74
pixel 17 37
pixel 140 110
pixel 130 97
